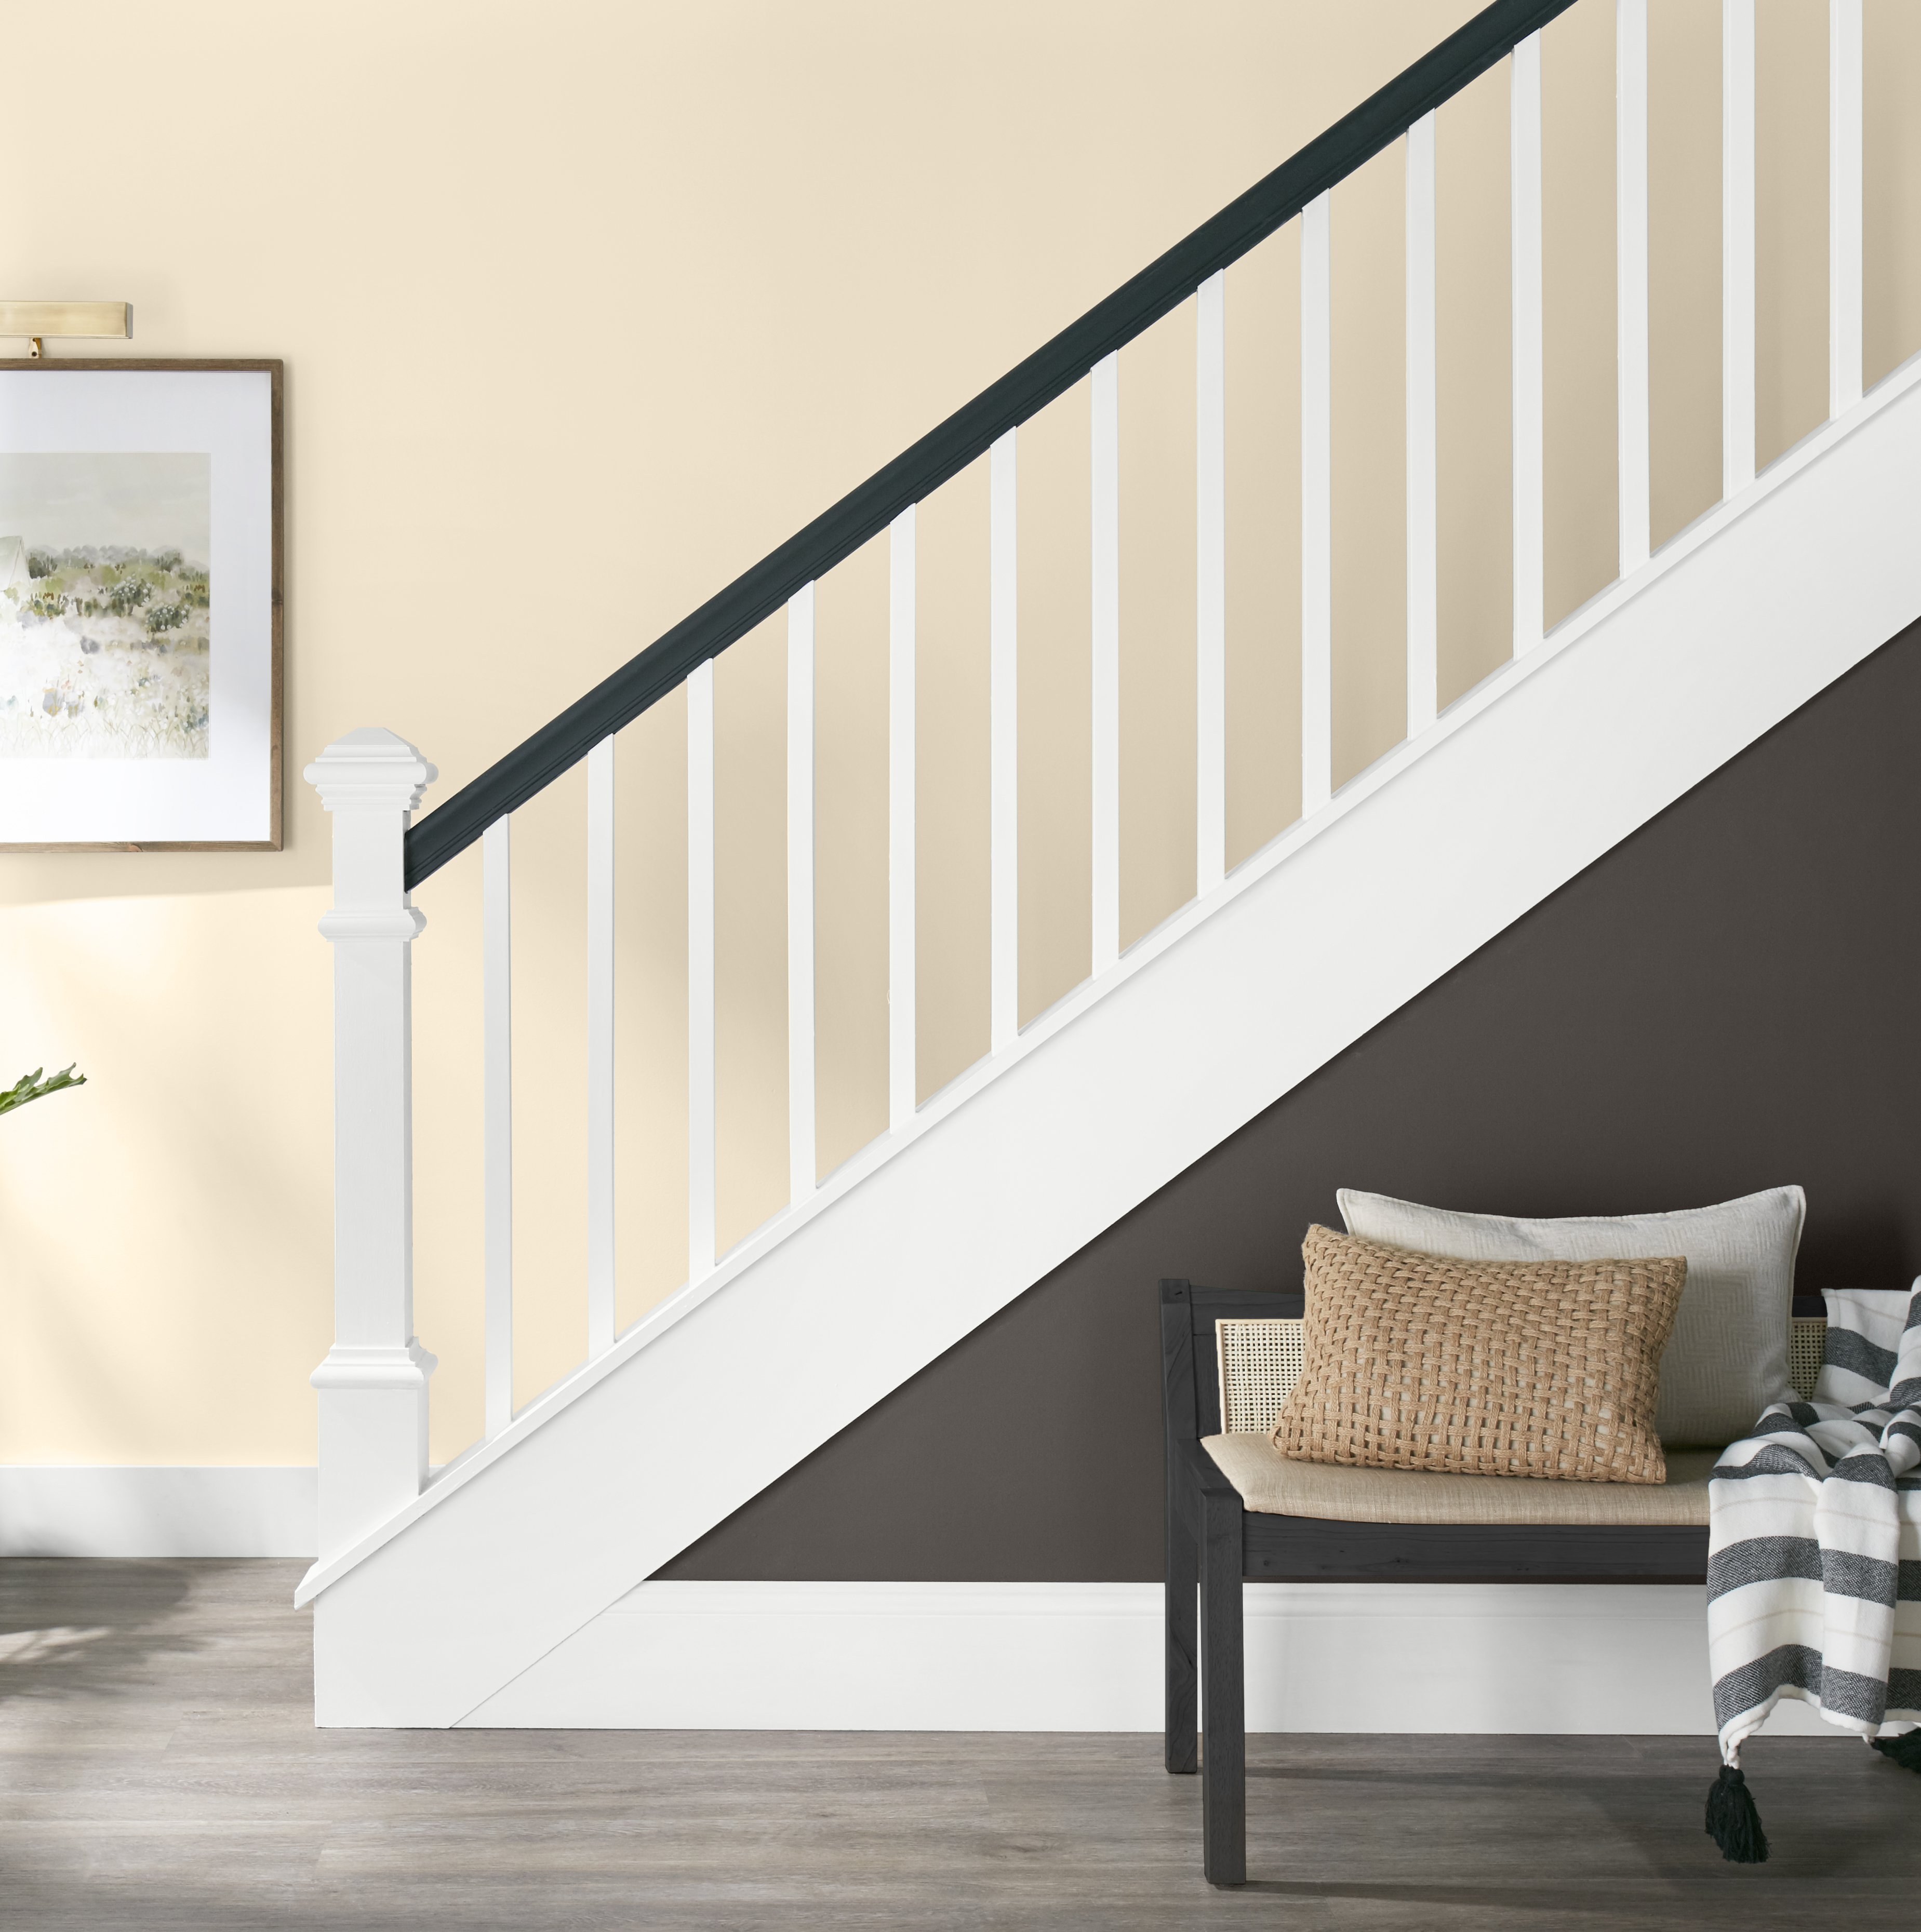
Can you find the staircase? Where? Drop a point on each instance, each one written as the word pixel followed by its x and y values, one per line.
pixel 435 1590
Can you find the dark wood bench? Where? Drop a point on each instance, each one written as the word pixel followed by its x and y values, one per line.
pixel 1214 1543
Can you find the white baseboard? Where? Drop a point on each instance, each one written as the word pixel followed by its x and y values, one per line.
pixel 1544 1658
pixel 102 1510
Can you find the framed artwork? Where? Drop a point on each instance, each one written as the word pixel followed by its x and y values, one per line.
pixel 139 606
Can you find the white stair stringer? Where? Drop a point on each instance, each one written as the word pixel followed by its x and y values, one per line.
pixel 1417 863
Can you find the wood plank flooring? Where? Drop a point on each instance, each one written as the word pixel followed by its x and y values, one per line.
pixel 159 1769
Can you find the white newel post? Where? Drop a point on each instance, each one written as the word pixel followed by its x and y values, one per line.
pixel 373 1384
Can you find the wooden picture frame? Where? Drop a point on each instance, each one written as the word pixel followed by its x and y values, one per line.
pixel 204 779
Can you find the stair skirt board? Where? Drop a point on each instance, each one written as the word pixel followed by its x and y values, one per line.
pixel 104 1509
pixel 1743 620
pixel 1618 1659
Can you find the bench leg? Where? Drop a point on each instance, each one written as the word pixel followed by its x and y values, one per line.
pixel 1224 1714
pixel 1182 1641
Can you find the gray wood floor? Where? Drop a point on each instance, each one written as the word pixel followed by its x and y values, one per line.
pixel 159 1768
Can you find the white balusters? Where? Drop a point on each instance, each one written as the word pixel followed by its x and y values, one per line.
pixel 496 980
pixel 701 1106
pixel 901 1091
pixel 1530 596
pixel 1844 205
pixel 1004 961
pixel 390 922
pixel 1316 506
pixel 1210 582
pixel 1737 246
pixel 600 1048
pixel 1423 618
pixel 803 1175
pixel 1631 278
pixel 1105 759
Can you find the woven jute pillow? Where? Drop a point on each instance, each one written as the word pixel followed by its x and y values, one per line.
pixel 1540 1368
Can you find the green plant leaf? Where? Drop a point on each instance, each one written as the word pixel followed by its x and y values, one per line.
pixel 31 1086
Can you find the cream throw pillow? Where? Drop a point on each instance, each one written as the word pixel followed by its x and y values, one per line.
pixel 1728 1357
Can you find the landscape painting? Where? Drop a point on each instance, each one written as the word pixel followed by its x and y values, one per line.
pixel 105 603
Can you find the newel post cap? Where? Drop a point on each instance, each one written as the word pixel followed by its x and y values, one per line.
pixel 371 768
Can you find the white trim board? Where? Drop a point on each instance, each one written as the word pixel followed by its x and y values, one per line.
pixel 1544 1658
pixel 105 1509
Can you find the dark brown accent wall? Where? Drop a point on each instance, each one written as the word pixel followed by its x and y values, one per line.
pixel 1729 1000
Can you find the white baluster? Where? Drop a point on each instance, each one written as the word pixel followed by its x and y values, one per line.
pixel 901 1092
pixel 600 1048
pixel 1844 205
pixel 1107 671
pixel 1737 246
pixel 701 1105
pixel 1210 582
pixel 1530 596
pixel 1003 974
pixel 1316 505
pixel 1424 641
pixel 802 1176
pixel 372 1384
pixel 497 975
pixel 1631 279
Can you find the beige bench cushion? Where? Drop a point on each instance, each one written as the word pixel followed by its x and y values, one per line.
pixel 1269 1482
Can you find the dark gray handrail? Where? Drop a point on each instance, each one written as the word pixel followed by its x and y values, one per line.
pixel 863 512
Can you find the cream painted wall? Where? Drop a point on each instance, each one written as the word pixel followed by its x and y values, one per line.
pixel 583 308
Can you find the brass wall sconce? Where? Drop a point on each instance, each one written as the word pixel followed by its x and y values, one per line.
pixel 36 320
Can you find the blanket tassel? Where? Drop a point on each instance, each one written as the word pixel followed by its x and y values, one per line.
pixel 1733 1822
pixel 1904 1750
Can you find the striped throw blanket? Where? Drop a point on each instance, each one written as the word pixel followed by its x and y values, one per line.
pixel 1814 1554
